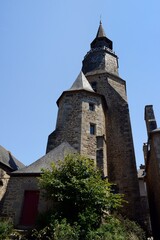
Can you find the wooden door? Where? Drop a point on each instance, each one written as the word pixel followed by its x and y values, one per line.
pixel 30 208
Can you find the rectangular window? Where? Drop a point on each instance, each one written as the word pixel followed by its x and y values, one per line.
pixel 92 129
pixel 91 107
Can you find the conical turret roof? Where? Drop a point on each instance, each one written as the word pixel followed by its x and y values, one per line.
pixel 100 32
pixel 81 83
pixel 101 40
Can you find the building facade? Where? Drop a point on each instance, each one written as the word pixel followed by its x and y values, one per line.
pixel 94 118
pixel 8 164
pixel 152 169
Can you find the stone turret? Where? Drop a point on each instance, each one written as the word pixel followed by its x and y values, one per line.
pixel 100 66
pixel 81 122
pixel 101 56
pixel 95 120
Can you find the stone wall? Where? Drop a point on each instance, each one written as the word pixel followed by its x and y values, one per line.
pixel 4 178
pixel 74 121
pixel 120 150
pixel 14 196
pixel 100 59
pixel 153 181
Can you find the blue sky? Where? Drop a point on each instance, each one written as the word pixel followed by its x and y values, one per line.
pixel 42 45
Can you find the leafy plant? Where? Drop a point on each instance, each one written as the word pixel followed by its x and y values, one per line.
pixel 6 227
pixel 85 204
pixel 57 230
pixel 76 185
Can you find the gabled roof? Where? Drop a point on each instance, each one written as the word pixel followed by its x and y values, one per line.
pixel 81 83
pixel 44 162
pixel 7 159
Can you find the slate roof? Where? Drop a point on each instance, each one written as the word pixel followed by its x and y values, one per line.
pixel 81 83
pixel 101 40
pixel 100 32
pixel 9 160
pixel 44 162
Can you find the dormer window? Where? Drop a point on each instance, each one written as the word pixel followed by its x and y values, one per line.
pixel 91 106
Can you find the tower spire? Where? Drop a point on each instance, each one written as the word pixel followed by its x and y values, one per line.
pixel 101 40
pixel 100 32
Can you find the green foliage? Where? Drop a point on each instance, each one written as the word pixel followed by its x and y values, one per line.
pixel 76 185
pixel 116 228
pixel 65 231
pixel 84 204
pixel 134 231
pixel 113 228
pixel 57 231
pixel 6 228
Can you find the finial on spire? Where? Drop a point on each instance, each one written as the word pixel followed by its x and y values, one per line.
pixel 100 32
pixel 101 40
pixel 100 20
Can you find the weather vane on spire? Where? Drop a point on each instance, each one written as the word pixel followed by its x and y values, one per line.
pixel 100 18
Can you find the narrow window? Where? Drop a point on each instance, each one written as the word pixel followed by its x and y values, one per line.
pixel 94 86
pixel 92 129
pixel 91 107
pixel 1 183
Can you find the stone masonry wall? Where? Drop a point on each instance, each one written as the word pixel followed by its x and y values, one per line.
pixel 4 178
pixel 100 59
pixel 15 195
pixel 153 182
pixel 96 117
pixel 73 124
pixel 120 150
pixel 68 127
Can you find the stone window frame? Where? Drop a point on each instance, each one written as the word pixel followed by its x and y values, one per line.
pixel 92 129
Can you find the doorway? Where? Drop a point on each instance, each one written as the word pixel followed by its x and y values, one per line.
pixel 30 208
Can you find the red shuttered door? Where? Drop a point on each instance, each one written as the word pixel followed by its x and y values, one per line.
pixel 30 208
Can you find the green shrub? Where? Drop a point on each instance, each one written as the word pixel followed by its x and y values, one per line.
pixel 65 231
pixel 57 230
pixel 133 230
pixel 6 227
pixel 85 204
pixel 116 228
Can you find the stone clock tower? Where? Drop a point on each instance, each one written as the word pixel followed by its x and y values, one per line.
pixel 93 118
